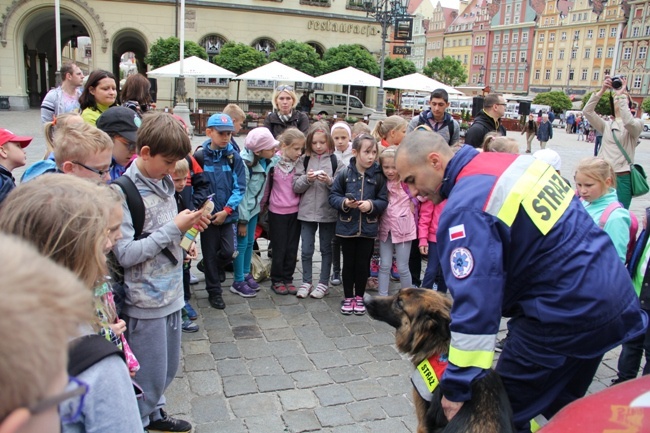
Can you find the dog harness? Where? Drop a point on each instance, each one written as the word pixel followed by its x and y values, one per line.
pixel 426 377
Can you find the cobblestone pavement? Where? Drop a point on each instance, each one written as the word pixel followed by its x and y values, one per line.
pixel 279 364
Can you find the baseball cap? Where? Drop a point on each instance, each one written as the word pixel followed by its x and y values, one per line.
pixel 220 122
pixel 120 120
pixel 6 136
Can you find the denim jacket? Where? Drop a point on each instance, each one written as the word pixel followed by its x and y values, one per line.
pixel 368 186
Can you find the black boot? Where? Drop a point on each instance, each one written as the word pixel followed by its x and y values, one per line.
pixel 216 301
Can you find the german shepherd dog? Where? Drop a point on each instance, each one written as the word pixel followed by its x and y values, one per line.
pixel 421 318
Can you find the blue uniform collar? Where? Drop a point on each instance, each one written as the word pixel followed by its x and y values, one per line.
pixel 455 165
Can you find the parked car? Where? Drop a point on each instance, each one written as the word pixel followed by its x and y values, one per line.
pixel 330 103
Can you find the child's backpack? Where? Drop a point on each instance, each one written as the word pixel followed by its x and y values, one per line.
pixel 634 227
pixel 333 160
pixel 136 208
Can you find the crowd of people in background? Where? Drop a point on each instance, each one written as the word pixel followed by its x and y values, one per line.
pixel 118 275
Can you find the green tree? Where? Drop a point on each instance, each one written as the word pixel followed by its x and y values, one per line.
pixel 447 70
pixel 397 67
pixel 558 101
pixel 645 105
pixel 298 55
pixel 239 58
pixel 603 107
pixel 166 51
pixel 354 55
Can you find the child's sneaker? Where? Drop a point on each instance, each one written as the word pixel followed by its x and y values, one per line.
pixel 193 279
pixel 191 312
pixel 359 307
pixel 320 291
pixel 348 306
pixel 251 282
pixel 304 290
pixel 241 288
pixel 394 273
pixel 189 326
pixel 169 424
pixel 374 266
pixel 336 278
pixel 291 289
pixel 279 289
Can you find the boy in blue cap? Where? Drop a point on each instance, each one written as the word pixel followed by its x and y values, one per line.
pixel 224 169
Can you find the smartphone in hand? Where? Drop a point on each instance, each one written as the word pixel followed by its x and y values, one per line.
pixel 349 196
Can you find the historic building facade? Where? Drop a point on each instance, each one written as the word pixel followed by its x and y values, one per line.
pixel 441 18
pixel 511 34
pixel 633 56
pixel 458 36
pixel 27 35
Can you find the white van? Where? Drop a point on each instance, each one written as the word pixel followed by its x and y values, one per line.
pixel 331 103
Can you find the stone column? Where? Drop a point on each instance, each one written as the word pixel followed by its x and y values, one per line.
pixel 42 57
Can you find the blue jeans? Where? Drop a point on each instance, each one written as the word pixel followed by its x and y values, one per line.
pixel 632 354
pixel 433 268
pixel 308 236
pixel 242 263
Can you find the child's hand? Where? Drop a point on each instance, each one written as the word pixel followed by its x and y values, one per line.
pixel 219 218
pixel 118 328
pixel 352 204
pixel 242 230
pixel 324 177
pixel 311 176
pixel 192 253
pixel 186 219
pixel 365 206
pixel 424 250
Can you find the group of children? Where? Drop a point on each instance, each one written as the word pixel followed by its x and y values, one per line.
pixel 339 181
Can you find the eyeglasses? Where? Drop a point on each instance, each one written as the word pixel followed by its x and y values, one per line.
pixel 101 173
pixel 284 87
pixel 505 105
pixel 70 401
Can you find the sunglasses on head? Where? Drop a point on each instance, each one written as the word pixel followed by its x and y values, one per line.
pixel 284 87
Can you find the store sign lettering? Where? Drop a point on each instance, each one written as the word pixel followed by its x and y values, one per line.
pixel 329 26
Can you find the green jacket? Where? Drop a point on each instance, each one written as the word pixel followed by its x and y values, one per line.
pixel 617 225
pixel 256 177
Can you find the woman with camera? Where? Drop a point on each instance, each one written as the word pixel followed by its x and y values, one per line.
pixel 624 128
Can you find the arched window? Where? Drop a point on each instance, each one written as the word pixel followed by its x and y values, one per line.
pixel 265 45
pixel 212 44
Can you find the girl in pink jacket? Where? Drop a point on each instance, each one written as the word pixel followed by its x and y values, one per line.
pixel 397 228
pixel 427 230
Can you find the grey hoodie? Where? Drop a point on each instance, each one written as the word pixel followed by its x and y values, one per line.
pixel 153 284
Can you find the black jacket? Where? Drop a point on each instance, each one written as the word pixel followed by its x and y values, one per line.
pixel 298 120
pixel 481 126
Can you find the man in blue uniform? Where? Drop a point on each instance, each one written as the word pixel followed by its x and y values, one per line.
pixel 514 241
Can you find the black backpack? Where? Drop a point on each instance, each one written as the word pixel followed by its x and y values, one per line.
pixel 136 209
pixel 333 160
pixel 86 351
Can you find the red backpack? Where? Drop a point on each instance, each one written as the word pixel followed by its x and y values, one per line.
pixel 634 227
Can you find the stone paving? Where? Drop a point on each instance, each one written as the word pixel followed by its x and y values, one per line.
pixel 280 364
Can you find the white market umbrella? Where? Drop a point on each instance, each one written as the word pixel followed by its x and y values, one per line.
pixel 192 67
pixel 419 82
pixel 275 71
pixel 348 77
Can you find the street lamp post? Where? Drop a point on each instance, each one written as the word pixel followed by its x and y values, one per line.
pixel 384 12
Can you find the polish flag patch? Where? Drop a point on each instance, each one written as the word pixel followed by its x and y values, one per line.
pixel 457 232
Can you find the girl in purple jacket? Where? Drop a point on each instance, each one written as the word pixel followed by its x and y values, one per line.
pixel 397 228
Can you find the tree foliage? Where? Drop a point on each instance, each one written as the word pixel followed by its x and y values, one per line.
pixel 239 58
pixel 397 67
pixel 298 55
pixel 645 105
pixel 558 101
pixel 603 107
pixel 354 55
pixel 446 70
pixel 166 51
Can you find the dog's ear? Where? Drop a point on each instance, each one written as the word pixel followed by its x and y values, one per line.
pixel 429 330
